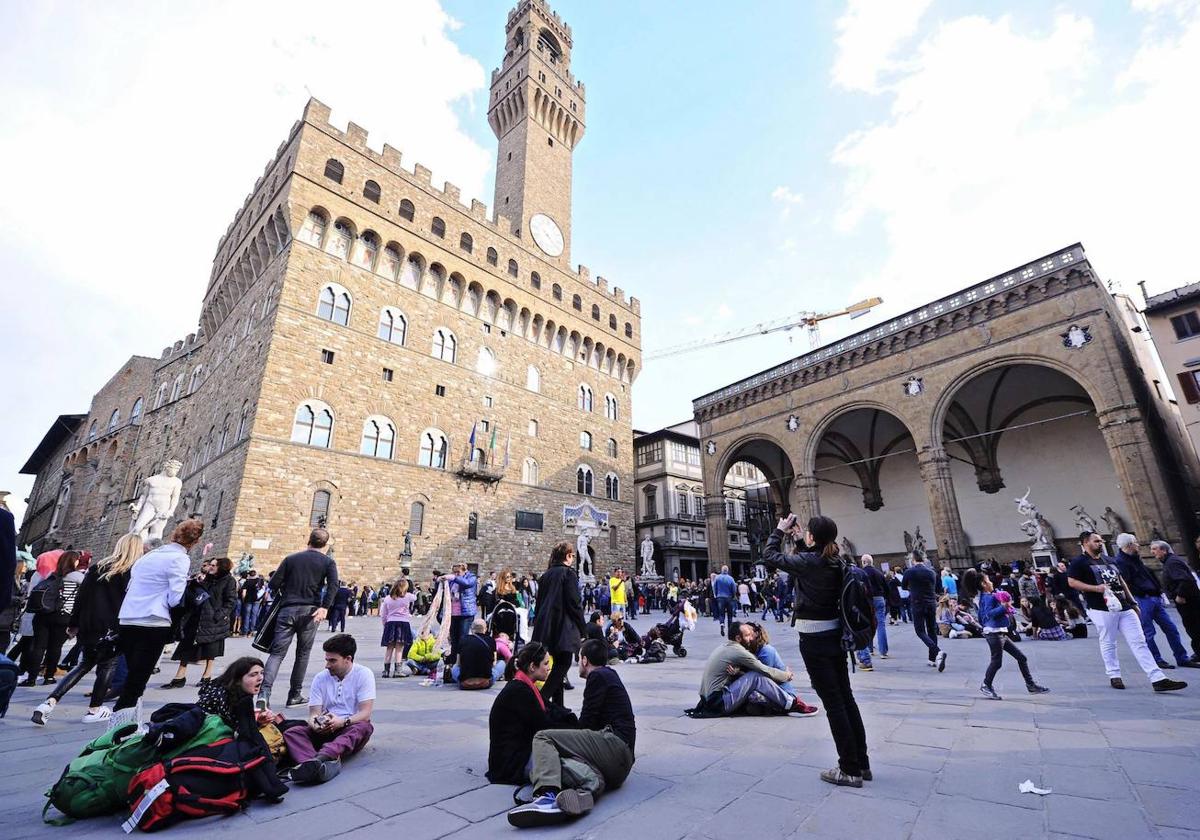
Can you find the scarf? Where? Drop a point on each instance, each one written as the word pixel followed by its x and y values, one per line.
pixel 523 677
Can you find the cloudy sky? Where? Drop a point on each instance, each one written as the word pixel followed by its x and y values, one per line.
pixel 740 163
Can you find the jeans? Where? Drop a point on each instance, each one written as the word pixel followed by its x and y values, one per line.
pixel 297 622
pixel 304 744
pixel 925 624
pixel 460 628
pixel 104 673
pixel 998 644
pixel 723 612
pixel 1154 612
pixel 827 671
pixel 142 647
pixel 497 671
pixel 1109 624
pixel 880 606
pixel 753 687
pixel 249 618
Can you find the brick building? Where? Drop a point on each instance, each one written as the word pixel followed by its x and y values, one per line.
pixel 376 356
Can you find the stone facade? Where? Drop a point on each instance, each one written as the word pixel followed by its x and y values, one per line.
pixel 334 240
pixel 911 396
pixel 1173 321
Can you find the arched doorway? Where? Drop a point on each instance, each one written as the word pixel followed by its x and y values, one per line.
pixel 1027 426
pixel 869 482
pixel 754 485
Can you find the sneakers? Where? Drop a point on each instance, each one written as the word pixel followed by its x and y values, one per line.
pixel 802 709
pixel 1034 688
pixel 100 715
pixel 882 656
pixel 989 692
pixel 543 810
pixel 574 802
pixel 932 663
pixel 941 661
pixel 1117 682
pixel 837 777
pixel 297 700
pixel 316 771
pixel 1169 685
pixel 42 713
pixel 865 666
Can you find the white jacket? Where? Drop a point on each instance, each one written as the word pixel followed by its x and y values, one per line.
pixel 156 584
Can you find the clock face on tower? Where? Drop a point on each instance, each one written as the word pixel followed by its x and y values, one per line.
pixel 546 234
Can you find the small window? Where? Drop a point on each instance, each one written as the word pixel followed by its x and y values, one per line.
pixel 533 379
pixel 466 243
pixel 438 228
pixel 407 211
pixel 334 171
pixel 628 330
pixel 577 303
pixel 1186 325
pixel 535 280
pixel 439 390
pixel 318 517
pixel 533 428
pixel 388 374
pixel 550 141
pixel 585 441
pixel 556 292
pixel 488 402
pixel 512 268
pixel 416 519
pixel 473 526
pixel 529 521
pixel 327 356
pixel 371 191
pixel 493 258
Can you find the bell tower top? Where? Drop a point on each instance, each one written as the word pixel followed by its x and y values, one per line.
pixel 537 113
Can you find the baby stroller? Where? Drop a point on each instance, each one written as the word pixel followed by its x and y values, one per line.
pixel 671 631
pixel 505 619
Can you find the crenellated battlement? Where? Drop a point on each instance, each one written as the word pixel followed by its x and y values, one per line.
pixel 183 347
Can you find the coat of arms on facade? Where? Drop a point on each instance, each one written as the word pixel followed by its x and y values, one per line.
pixel 914 386
pixel 1076 336
pixel 793 423
pixel 711 448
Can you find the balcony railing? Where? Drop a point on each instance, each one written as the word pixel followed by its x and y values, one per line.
pixel 480 471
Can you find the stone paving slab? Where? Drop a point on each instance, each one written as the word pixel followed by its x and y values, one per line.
pixel 1122 764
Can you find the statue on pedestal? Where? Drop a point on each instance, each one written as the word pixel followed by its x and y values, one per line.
pixel 1035 525
pixel 157 502
pixel 1083 520
pixel 919 542
pixel 583 556
pixel 648 569
pixel 1113 522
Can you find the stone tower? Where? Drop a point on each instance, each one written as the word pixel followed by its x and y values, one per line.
pixel 537 113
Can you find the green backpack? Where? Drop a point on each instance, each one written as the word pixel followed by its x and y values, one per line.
pixel 97 781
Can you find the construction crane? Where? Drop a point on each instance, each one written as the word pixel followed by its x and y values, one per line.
pixel 810 320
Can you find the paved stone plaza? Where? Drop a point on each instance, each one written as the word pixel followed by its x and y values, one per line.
pixel 947 763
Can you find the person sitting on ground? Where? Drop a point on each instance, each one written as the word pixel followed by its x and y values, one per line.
pixel 734 677
pixel 655 649
pixel 339 714
pixel 1070 618
pixel 623 641
pixel 595 626
pixel 423 656
pixel 1045 625
pixel 518 713
pixel 949 625
pixel 478 665
pixel 570 768
pixel 768 655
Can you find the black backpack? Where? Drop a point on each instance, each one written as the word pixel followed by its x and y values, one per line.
pixel 45 598
pixel 856 608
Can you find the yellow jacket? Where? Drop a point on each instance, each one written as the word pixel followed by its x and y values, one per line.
pixel 424 650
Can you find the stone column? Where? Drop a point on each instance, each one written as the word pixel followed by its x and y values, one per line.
pixel 948 535
pixel 718 532
pixel 805 501
pixel 1140 474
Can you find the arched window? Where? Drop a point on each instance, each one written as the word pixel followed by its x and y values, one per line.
pixel 556 291
pixel 416 518
pixel 269 301
pixel 378 438
pixel 585 398
pixel 492 257
pixel 434 448
pixel 612 322
pixel 612 487
pixel 161 396
pixel 628 330
pixel 445 345
pixel 513 270
pixel 595 312
pixel 313 424
pixel 438 228
pixel 318 517
pixel 92 430
pixel 367 251
pixel 60 508
pixel 485 363
pixel 393 326
pixel 529 472
pixel 477 455
pixel 313 230
pixel 334 170
pixel 114 419
pixel 177 388
pixel 533 379
pixel 195 382
pixel 407 211
pixel 334 304
pixel 585 441
pixel 583 480
pixel 466 243
pixel 577 303
pixel 243 428
pixel 224 435
pixel 410 275
pixel 390 266
pixel 371 191
pixel 610 407
pixel 535 280
pixel 343 236
pixel 135 414
pixel 612 448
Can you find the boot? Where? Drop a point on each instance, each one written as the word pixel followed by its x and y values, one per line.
pixel 387 670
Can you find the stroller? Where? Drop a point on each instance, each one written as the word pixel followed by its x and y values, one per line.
pixel 671 630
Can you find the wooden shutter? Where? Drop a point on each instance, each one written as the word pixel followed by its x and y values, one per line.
pixel 1191 393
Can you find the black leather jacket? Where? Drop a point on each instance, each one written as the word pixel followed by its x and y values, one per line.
pixel 816 580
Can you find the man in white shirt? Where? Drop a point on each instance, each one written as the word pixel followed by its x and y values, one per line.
pixel 341 700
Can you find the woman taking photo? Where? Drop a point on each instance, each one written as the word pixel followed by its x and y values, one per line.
pixel 518 713
pixel 559 621
pixel 817 572
pixel 94 624
pixel 208 628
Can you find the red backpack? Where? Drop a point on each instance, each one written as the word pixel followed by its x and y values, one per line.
pixel 205 781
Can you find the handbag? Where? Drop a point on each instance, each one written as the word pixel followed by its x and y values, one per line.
pixel 274 740
pixel 265 637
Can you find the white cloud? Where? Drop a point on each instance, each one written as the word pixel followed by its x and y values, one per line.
pixel 869 32
pixel 786 199
pixel 1004 144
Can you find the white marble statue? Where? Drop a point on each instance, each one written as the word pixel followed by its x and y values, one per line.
pixel 160 495
pixel 1035 525
pixel 1083 520
pixel 583 557
pixel 648 569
